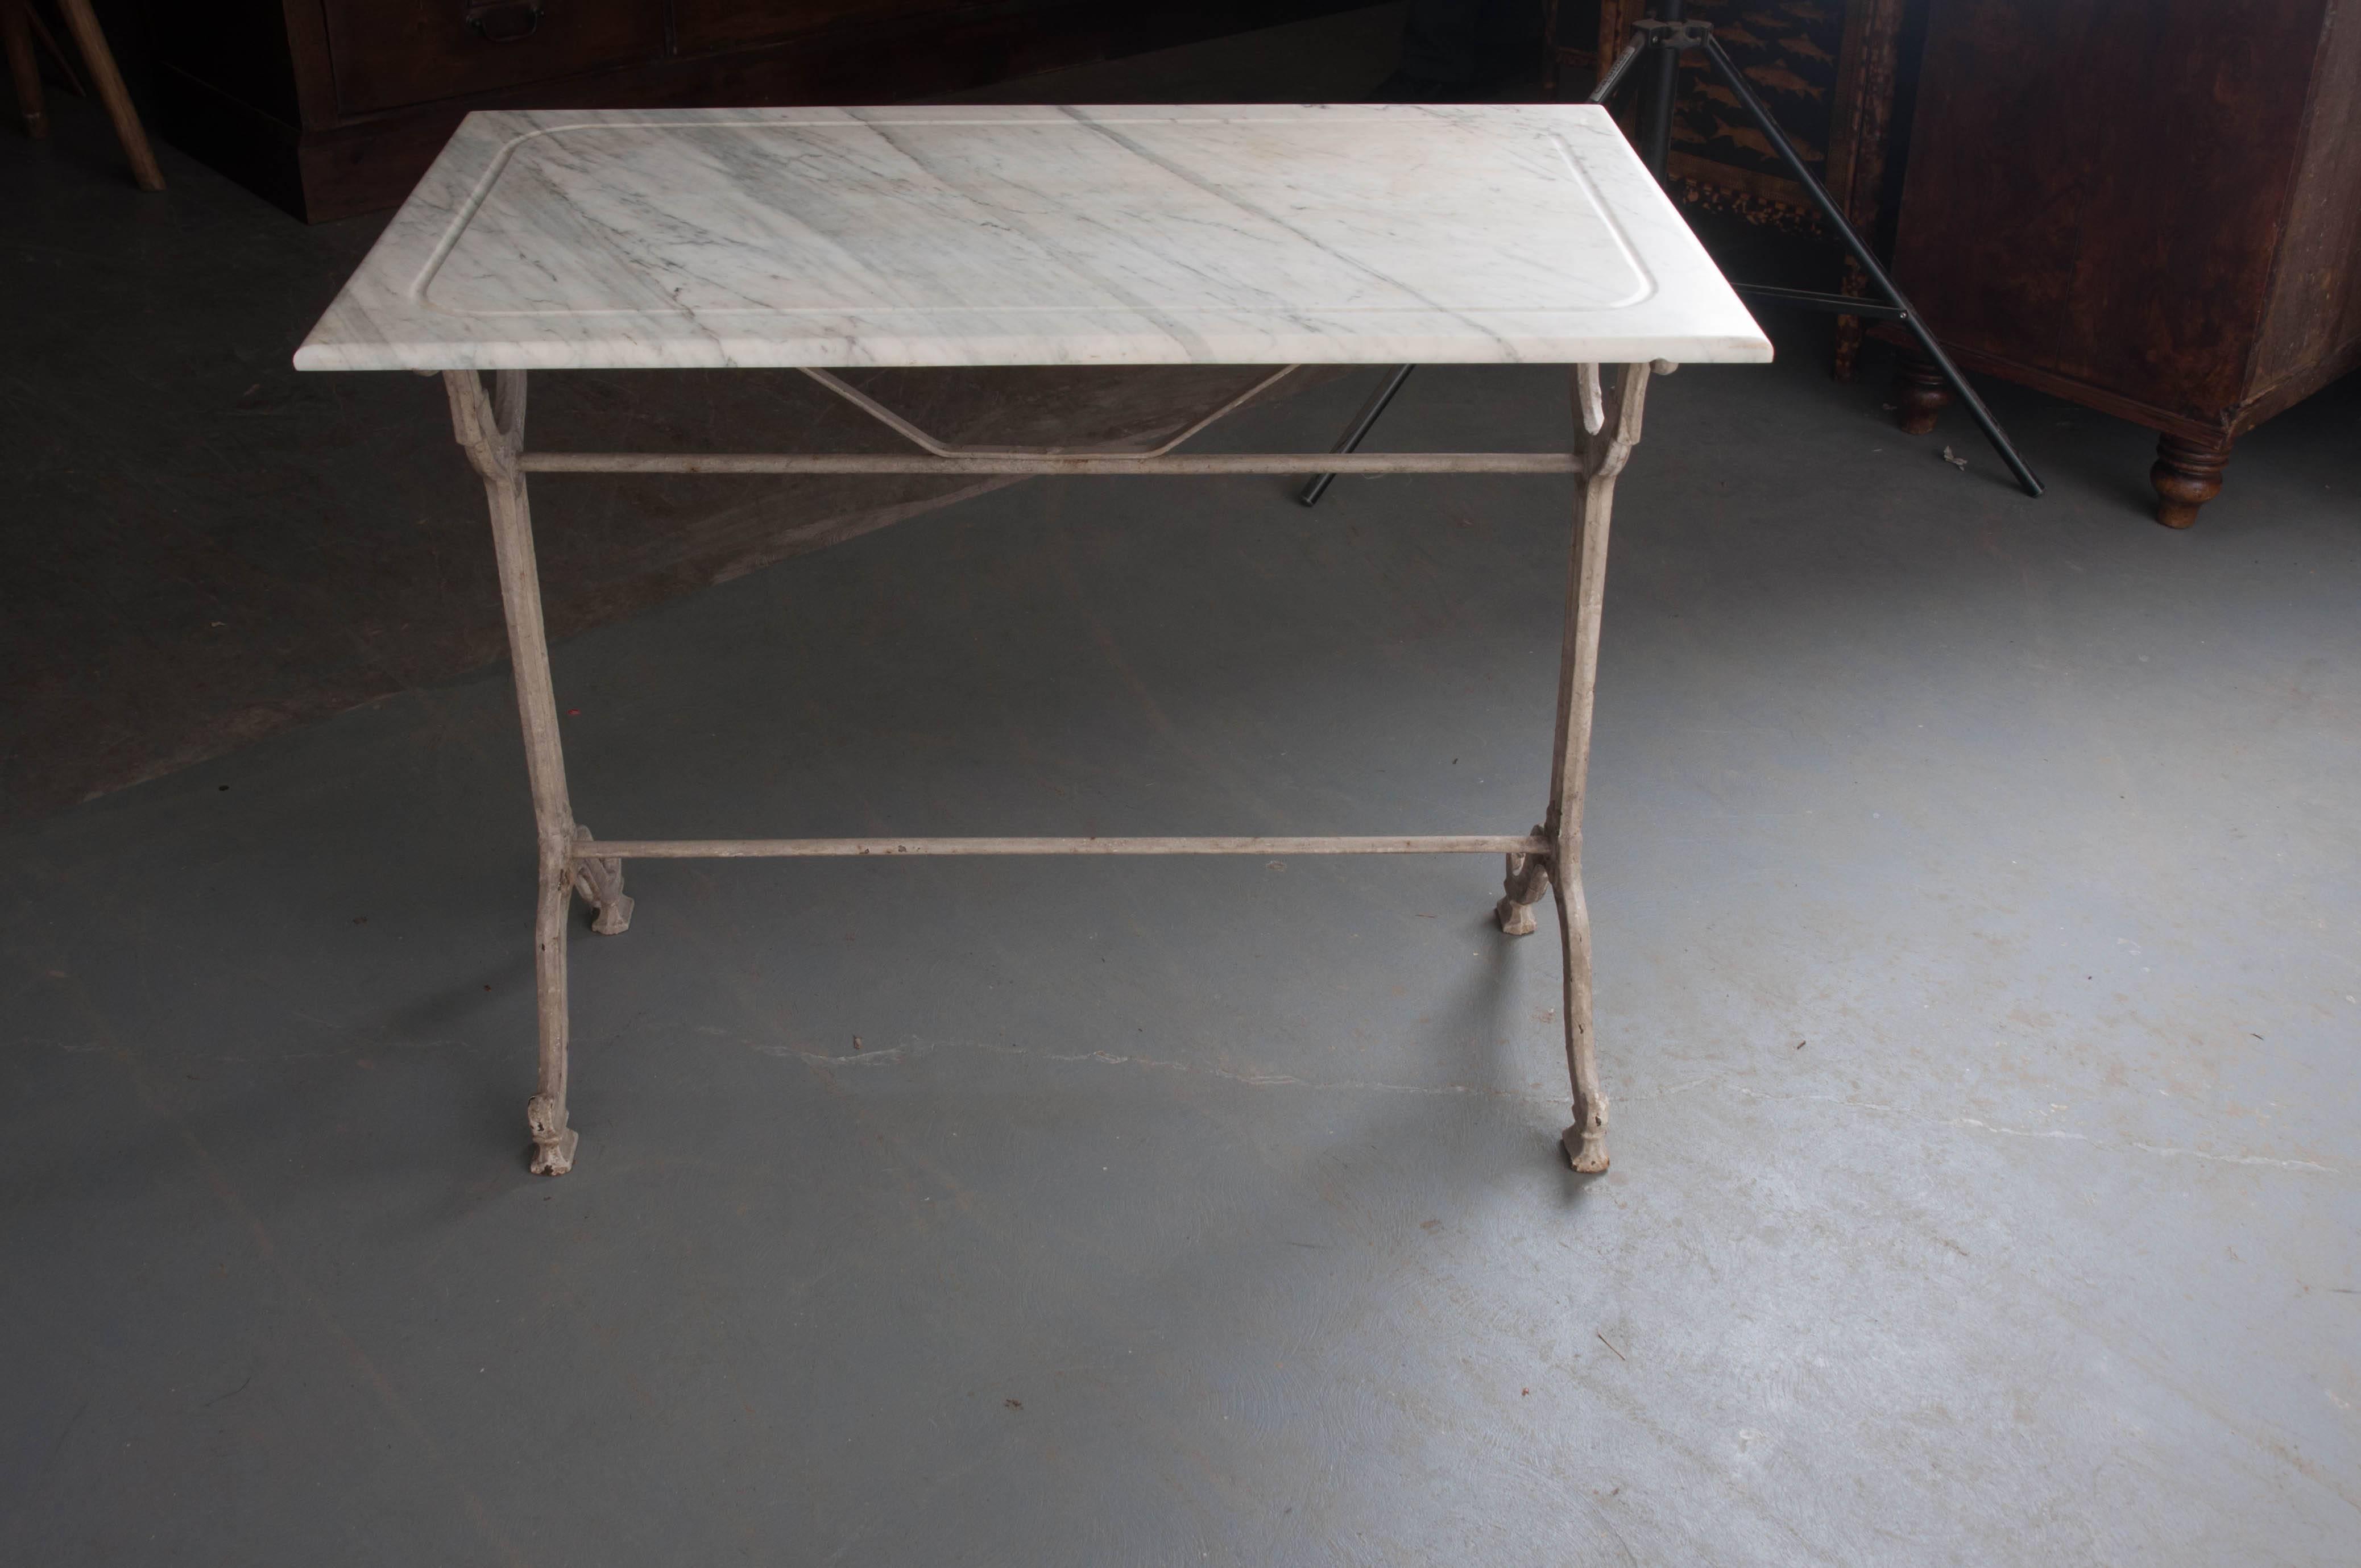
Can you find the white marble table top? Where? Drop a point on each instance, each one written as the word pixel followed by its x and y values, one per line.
pixel 1026 234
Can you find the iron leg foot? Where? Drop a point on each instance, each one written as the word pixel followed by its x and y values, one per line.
pixel 601 885
pixel 554 1142
pixel 1586 1145
pixel 1526 880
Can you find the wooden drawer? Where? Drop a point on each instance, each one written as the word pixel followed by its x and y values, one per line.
pixel 703 24
pixel 388 53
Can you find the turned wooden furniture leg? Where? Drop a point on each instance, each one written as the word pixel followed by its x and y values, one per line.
pixel 1920 393
pixel 2187 475
pixel 492 432
pixel 16 32
pixel 1610 420
pixel 1848 330
pixel 1844 355
pixel 109 82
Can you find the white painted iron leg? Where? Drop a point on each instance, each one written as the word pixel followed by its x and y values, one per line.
pixel 492 432
pixel 1585 1140
pixel 553 1140
pixel 1607 427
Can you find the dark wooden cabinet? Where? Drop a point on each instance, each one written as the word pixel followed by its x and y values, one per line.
pixel 2152 207
pixel 334 107
pixel 384 54
pixel 702 25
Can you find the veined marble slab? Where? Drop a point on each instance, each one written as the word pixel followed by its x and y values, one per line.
pixel 1026 234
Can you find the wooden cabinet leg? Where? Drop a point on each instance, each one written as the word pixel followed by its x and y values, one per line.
pixel 1848 334
pixel 2187 475
pixel 1920 393
pixel 1844 355
pixel 16 32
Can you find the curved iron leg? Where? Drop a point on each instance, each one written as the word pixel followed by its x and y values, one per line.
pixel 1605 451
pixel 1585 1140
pixel 553 1139
pixel 492 432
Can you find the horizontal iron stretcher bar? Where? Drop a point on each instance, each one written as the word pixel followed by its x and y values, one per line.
pixel 748 848
pixel 1290 463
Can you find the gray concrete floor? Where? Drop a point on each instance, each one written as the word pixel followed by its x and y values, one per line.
pixel 1975 889
pixel 1978 890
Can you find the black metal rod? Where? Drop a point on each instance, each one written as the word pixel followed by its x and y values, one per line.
pixel 1656 112
pixel 1861 253
pixel 1359 430
pixel 1813 299
pixel 1615 73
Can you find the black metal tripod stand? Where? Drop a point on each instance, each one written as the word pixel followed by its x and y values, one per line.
pixel 1666 36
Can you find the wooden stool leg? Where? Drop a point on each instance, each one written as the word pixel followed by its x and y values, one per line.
pixel 87 37
pixel 16 29
pixel 2187 475
pixel 1920 393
